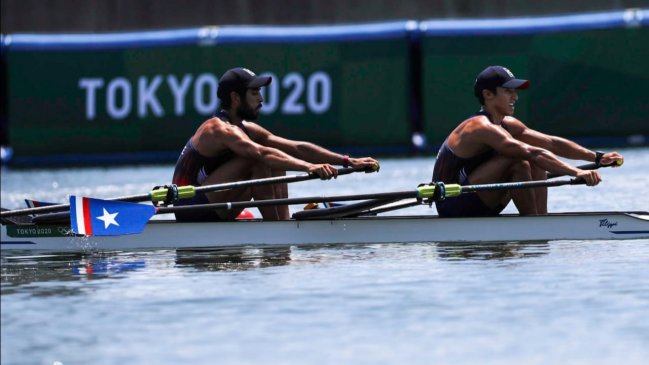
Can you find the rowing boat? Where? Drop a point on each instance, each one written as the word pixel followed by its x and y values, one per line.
pixel 121 224
pixel 169 234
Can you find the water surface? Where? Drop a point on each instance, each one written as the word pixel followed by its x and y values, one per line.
pixel 557 302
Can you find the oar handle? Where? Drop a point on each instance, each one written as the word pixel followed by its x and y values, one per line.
pixel 589 166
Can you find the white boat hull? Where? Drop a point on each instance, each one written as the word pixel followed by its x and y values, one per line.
pixel 363 230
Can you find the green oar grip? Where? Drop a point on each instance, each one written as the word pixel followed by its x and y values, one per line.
pixel 453 190
pixel 425 191
pixel 186 192
pixel 445 191
pixel 162 194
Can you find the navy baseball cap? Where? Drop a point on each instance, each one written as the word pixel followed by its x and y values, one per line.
pixel 239 79
pixel 494 76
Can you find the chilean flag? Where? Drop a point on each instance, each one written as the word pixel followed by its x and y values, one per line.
pixel 96 217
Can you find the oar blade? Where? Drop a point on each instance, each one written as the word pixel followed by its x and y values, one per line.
pixel 97 217
pixel 37 203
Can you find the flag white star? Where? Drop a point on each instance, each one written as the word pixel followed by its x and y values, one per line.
pixel 108 218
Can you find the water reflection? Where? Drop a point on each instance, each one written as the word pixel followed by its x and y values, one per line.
pixel 492 251
pixel 30 271
pixel 233 258
pixel 52 273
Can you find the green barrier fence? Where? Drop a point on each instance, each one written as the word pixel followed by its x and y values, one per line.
pixel 588 74
pixel 355 88
pixel 75 94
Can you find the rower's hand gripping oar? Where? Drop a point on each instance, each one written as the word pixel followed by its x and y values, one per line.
pixel 167 194
pixel 590 166
pixel 110 218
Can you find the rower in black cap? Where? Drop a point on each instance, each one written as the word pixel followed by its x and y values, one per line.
pixel 492 146
pixel 231 146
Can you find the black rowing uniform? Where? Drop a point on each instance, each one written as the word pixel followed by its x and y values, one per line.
pixel 452 169
pixel 192 168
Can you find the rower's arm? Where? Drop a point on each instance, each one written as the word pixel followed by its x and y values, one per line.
pixel 238 142
pixel 241 144
pixel 506 145
pixel 300 149
pixel 558 145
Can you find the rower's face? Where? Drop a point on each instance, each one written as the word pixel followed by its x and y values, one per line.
pixel 504 100
pixel 249 109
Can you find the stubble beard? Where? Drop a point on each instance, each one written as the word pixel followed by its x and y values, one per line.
pixel 246 112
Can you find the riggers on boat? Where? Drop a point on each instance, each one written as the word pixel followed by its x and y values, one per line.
pixel 167 233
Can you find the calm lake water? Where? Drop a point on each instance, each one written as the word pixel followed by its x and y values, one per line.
pixel 558 302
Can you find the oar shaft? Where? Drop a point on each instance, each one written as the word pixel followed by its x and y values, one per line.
pixel 268 181
pixel 519 185
pixel 37 210
pixel 421 192
pixel 289 201
pixel 63 207
pixel 206 188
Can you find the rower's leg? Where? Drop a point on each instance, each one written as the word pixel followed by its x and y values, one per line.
pixel 264 192
pixel 540 194
pixel 524 199
pixel 237 169
pixel 281 192
pixel 501 169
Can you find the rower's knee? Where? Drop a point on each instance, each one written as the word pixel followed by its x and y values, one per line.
pixel 520 170
pixel 537 172
pixel 260 170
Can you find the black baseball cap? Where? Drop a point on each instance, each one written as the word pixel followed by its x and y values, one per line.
pixel 239 79
pixel 494 76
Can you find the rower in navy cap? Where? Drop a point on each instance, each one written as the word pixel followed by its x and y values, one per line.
pixel 492 146
pixel 231 146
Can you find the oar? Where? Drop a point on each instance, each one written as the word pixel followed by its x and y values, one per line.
pixel 97 217
pixel 376 206
pixel 421 192
pixel 160 194
pixel 589 166
pixel 381 208
pixel 343 210
pixel 391 207
pixel 455 189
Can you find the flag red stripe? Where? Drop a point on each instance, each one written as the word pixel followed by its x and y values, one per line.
pixel 86 216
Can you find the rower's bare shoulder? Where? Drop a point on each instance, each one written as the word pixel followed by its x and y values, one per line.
pixel 470 133
pixel 476 124
pixel 209 125
pixel 513 121
pixel 215 127
pixel 254 127
pixel 212 133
